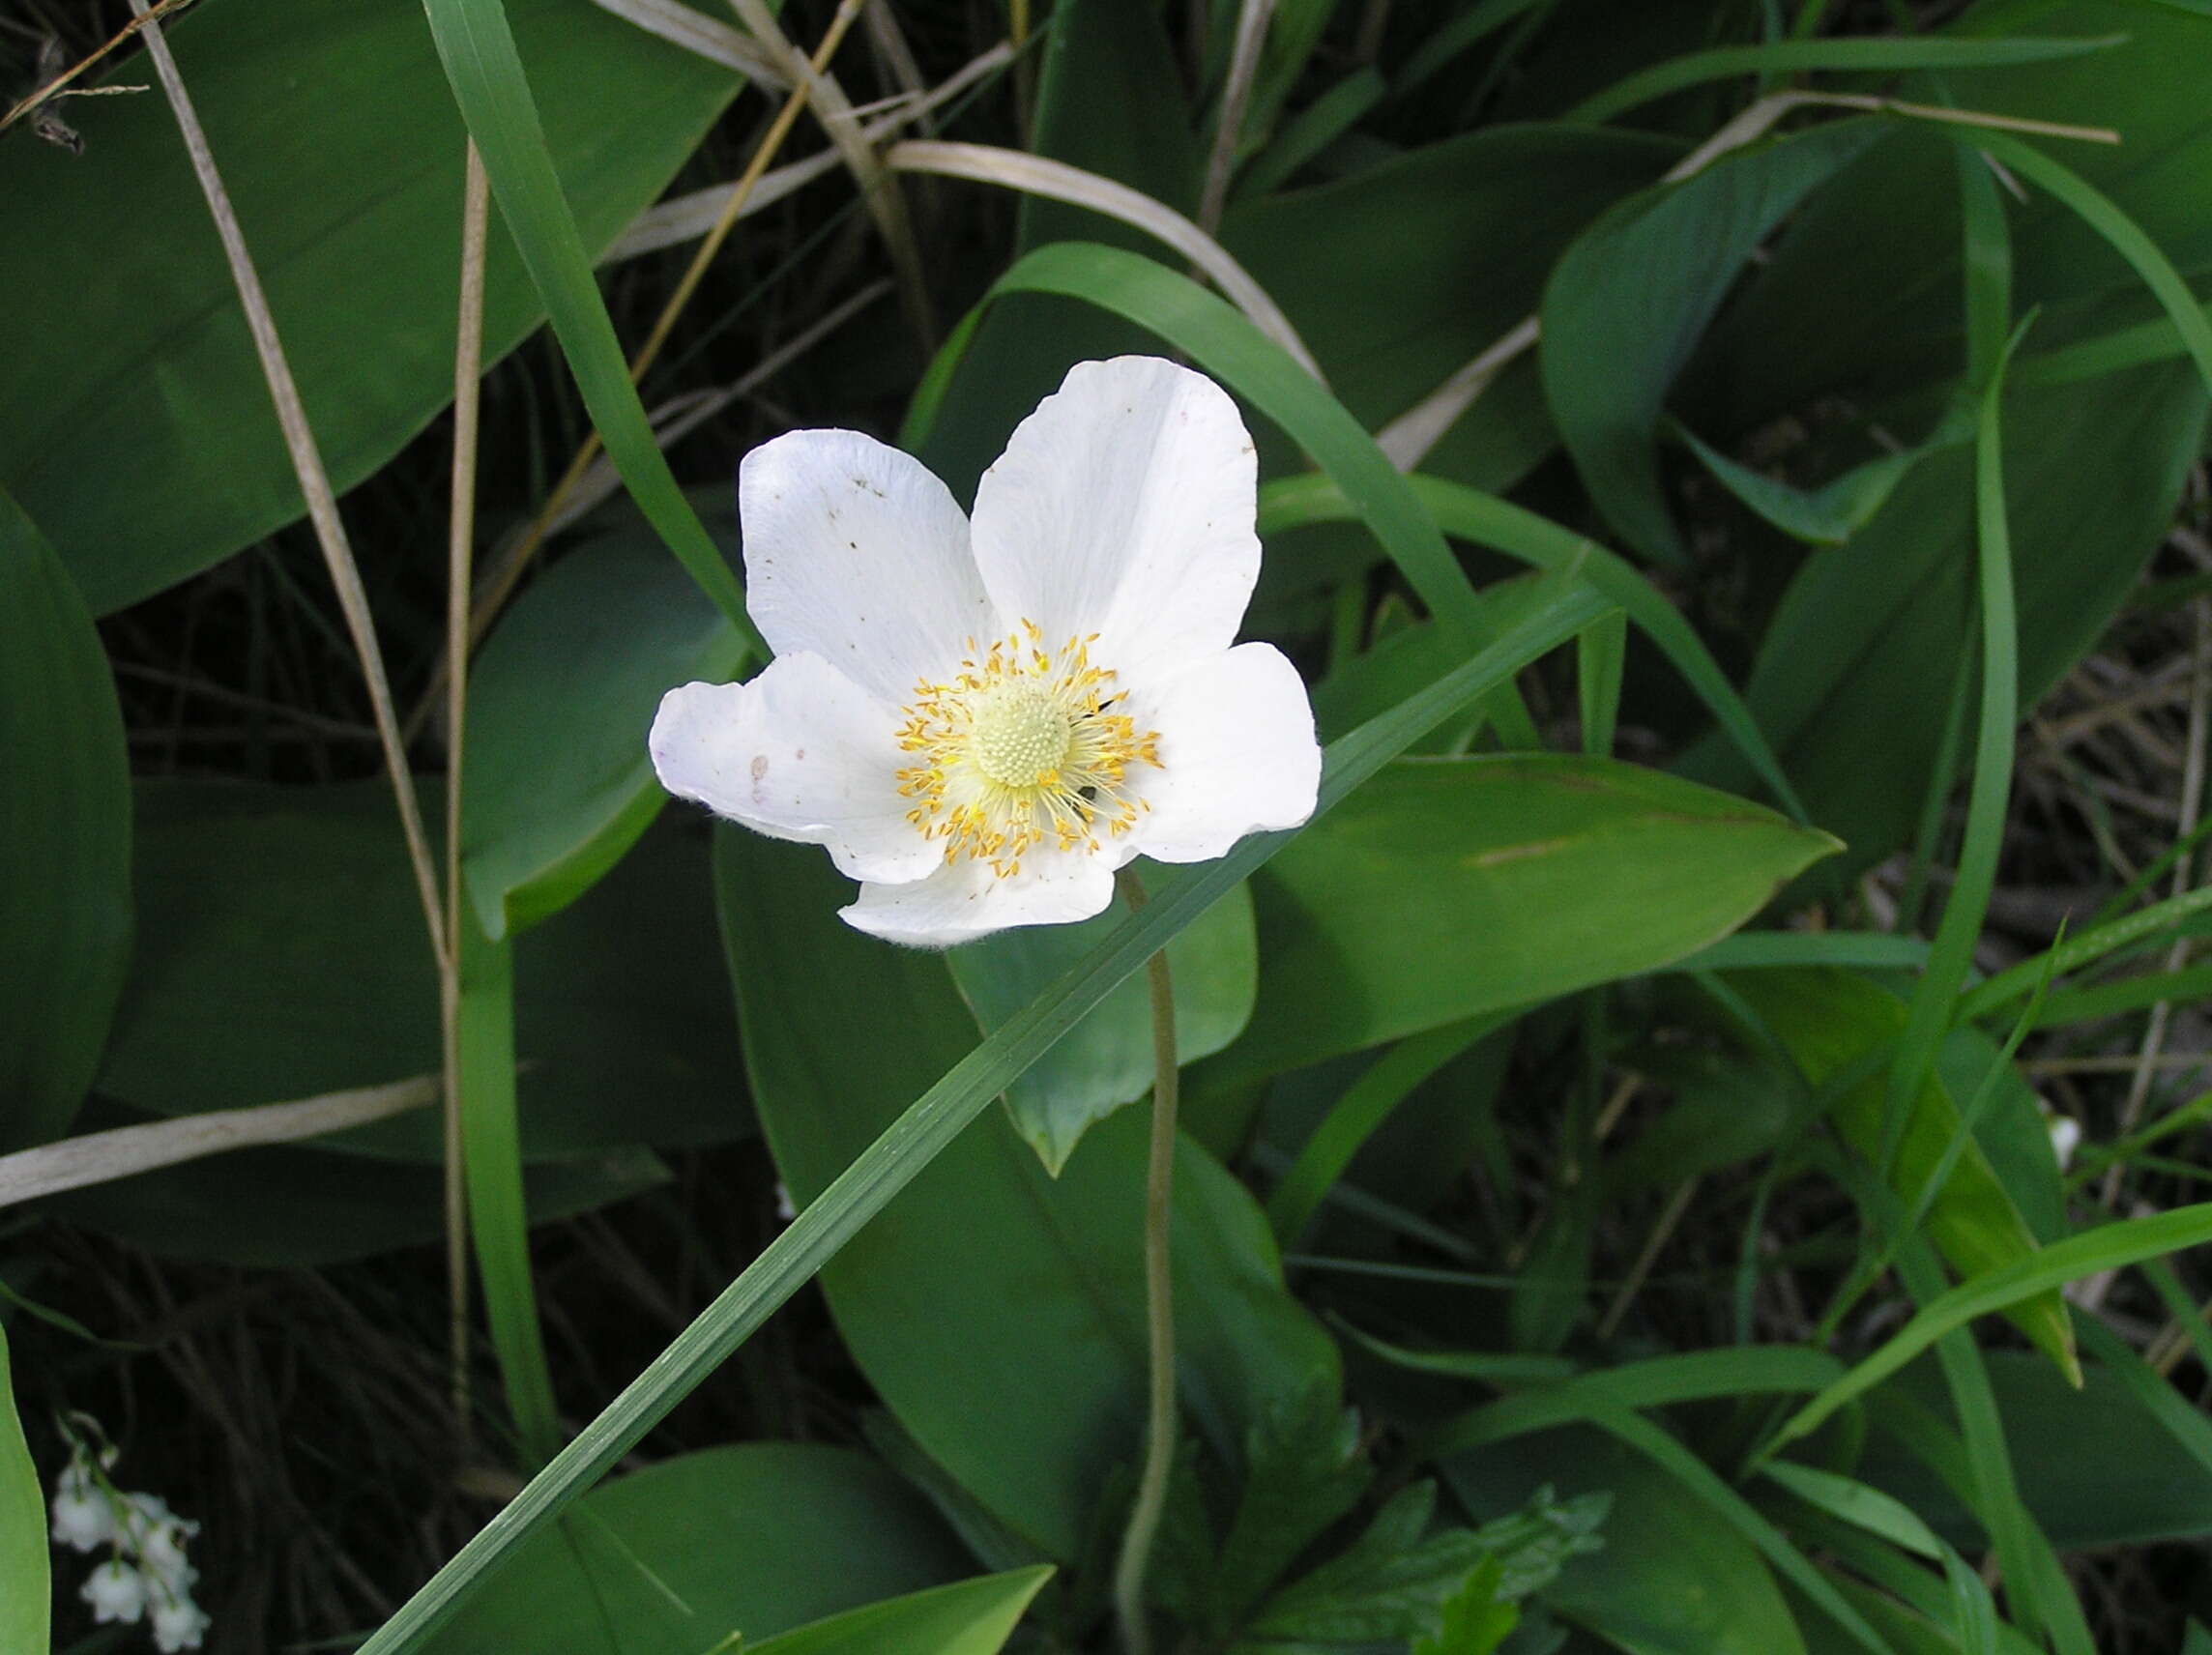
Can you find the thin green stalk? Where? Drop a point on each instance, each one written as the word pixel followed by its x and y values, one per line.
pixel 1159 1305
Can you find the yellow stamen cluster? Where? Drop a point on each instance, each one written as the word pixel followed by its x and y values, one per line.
pixel 1022 747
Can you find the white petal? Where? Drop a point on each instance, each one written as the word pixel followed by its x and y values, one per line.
pixel 965 900
pixel 1238 754
pixel 1124 507
pixel 855 553
pixel 801 752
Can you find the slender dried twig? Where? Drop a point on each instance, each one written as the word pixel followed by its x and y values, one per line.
pixel 680 25
pixel 2148 1062
pixel 460 538
pixel 31 100
pixel 833 110
pixel 688 217
pixel 307 466
pixel 1040 175
pixel 1252 19
pixel 99 1158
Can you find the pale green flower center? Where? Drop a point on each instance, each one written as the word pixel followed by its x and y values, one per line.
pixel 1020 748
pixel 1021 734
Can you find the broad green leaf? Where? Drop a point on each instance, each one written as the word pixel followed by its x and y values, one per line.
pixel 756 1538
pixel 1859 298
pixel 967 1618
pixel 340 146
pixel 1106 1060
pixel 1628 302
pixel 1854 672
pixel 1827 1019
pixel 283 956
pixel 2095 1467
pixel 557 783
pixel 996 1310
pixel 64 839
pixel 1396 276
pixel 1452 886
pixel 26 1593
pixel 1669 1579
pixel 2011 1128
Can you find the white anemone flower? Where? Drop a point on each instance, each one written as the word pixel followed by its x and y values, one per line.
pixel 982 720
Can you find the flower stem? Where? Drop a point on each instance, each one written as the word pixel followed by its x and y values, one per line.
pixel 1159 1308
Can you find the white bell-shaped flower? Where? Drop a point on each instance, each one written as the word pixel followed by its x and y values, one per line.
pixel 83 1516
pixel 177 1623
pixel 982 720
pixel 157 1536
pixel 115 1591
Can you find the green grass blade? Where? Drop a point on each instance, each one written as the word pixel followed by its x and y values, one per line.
pixel 942 1112
pixel 1469 29
pixel 1693 1375
pixel 1473 515
pixel 25 1590
pixel 1222 340
pixel 2109 1246
pixel 1837 56
pixel 2014 981
pixel 477 47
pixel 499 1221
pixel 1769 950
pixel 1601 657
pixel 2022 1553
pixel 1702 1481
pixel 1991 790
pixel 2125 236
pixel 1356 1116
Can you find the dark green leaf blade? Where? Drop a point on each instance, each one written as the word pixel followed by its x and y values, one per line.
pixel 65 840
pixel 134 422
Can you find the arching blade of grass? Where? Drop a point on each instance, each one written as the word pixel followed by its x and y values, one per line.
pixel 2109 1247
pixel 478 48
pixel 935 1118
pixel 499 1221
pixel 1840 56
pixel 2014 981
pixel 1519 532
pixel 1934 996
pixel 2125 236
